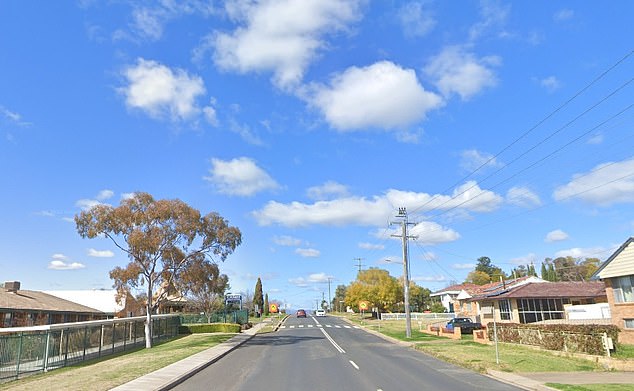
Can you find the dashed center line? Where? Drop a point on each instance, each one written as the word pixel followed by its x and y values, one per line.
pixel 354 365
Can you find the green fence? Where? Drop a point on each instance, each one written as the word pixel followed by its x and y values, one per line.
pixel 240 317
pixel 25 350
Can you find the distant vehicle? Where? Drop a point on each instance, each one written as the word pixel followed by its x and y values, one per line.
pixel 465 324
pixel 301 314
pixel 320 313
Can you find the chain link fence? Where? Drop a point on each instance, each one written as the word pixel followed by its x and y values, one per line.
pixel 25 350
pixel 239 317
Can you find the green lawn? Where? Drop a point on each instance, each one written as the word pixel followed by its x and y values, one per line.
pixel 591 387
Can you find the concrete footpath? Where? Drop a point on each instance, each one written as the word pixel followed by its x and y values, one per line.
pixel 537 380
pixel 173 374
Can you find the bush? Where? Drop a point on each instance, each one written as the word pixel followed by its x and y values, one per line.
pixel 209 328
pixel 565 337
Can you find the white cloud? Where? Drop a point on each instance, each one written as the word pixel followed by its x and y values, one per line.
pixel 525 259
pixel 456 71
pixel 415 20
pixel 307 252
pixel 551 83
pixel 463 266
pixel 377 210
pixel 563 15
pixel 100 253
pixel 240 176
pixel 104 195
pixel 88 203
pixel 578 252
pixel 356 98
pixel 493 15
pixel 287 241
pixel 429 278
pixel 595 139
pixel 430 233
pixel 523 197
pixel 327 190
pixel 59 263
pixel 605 184
pixel 556 236
pixel 319 277
pixel 163 92
pixel 472 160
pixel 282 37
pixel 371 246
pixel 299 282
pixel 12 117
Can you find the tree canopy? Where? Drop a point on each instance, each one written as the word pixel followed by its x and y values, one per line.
pixel 377 287
pixel 203 285
pixel 162 239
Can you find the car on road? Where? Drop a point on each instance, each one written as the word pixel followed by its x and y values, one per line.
pixel 466 325
pixel 301 314
pixel 320 313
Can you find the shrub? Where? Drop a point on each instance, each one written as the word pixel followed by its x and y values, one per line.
pixel 565 337
pixel 209 328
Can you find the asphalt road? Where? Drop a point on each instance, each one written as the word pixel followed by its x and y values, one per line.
pixel 327 353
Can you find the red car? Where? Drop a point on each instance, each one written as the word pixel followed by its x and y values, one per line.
pixel 301 314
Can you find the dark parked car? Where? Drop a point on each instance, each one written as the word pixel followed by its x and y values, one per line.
pixel 301 314
pixel 465 324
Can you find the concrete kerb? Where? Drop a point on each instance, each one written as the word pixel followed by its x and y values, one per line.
pixel 176 373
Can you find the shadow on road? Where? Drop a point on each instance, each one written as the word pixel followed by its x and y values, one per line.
pixel 279 340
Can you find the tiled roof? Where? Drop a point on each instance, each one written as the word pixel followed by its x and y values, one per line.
pixel 557 289
pixel 457 287
pixel 39 301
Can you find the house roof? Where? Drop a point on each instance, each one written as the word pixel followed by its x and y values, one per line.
pixel 456 288
pixel 494 289
pixel 621 263
pixel 40 301
pixel 100 299
pixel 592 289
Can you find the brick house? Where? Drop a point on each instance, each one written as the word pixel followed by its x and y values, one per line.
pixel 537 302
pixel 617 273
pixel 19 308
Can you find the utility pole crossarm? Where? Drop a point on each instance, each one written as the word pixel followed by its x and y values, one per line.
pixel 402 214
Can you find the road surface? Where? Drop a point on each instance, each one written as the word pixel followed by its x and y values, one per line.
pixel 326 353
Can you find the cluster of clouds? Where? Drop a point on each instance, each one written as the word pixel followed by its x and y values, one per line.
pixel 63 262
pixel 284 39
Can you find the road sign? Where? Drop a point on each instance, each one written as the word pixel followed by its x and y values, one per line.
pixel 364 305
pixel 273 308
pixel 233 297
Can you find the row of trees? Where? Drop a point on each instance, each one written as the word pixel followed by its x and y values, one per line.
pixel 384 292
pixel 558 269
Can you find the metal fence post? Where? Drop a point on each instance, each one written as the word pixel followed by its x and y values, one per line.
pixel 17 366
pixel 101 340
pixel 85 335
pixel 48 341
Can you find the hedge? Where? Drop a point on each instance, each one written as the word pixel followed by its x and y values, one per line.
pixel 209 328
pixel 565 337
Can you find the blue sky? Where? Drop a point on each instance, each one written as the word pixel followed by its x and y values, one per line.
pixel 504 128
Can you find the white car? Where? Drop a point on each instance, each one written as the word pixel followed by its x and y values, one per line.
pixel 320 313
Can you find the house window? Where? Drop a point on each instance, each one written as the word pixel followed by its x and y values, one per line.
pixel 505 310
pixel 537 310
pixel 622 288
pixel 629 323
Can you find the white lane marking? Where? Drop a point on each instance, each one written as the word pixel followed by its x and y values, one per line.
pixel 328 325
pixel 354 365
pixel 319 325
pixel 347 327
pixel 292 327
pixel 337 326
pixel 332 341
pixel 282 327
pixel 357 327
pixel 310 325
pixel 301 325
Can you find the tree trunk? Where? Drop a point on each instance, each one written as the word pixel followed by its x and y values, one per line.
pixel 148 318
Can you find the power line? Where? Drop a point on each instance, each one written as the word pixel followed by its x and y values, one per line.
pixel 526 133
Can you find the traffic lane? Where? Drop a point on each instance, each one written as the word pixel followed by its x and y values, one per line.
pixel 287 360
pixel 393 367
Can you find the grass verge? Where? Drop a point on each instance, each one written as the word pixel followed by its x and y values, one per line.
pixel 111 371
pixel 590 387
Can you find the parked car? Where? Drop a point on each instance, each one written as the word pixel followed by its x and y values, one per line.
pixel 320 313
pixel 301 314
pixel 466 325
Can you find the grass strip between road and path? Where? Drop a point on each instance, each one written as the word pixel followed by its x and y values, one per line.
pixel 476 356
pixel 111 371
pixel 590 387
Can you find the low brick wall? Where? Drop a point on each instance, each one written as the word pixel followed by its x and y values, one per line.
pixel 443 332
